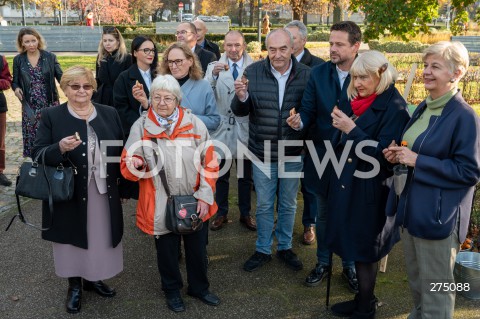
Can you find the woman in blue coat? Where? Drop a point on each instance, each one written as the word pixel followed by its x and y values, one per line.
pixel 357 228
pixel 443 159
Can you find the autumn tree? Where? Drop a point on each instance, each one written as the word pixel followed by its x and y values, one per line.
pixel 404 18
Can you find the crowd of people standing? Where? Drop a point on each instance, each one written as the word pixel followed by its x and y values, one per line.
pixel 280 119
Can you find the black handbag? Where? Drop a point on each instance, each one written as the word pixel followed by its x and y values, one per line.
pixel 47 183
pixel 181 211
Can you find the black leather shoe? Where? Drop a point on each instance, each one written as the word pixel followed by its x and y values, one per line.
pixel 175 304
pixel 99 287
pixel 350 275
pixel 74 295
pixel 256 261
pixel 290 259
pixel 348 308
pixel 317 275
pixel 208 298
pixel 4 180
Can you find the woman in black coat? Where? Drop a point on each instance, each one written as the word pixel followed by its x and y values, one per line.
pixel 34 74
pixel 87 230
pixel 141 75
pixel 357 228
pixel 112 60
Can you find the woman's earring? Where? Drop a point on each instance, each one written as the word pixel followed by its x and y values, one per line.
pixel 452 80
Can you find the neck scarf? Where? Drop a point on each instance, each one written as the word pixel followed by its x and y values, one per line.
pixel 361 104
pixel 169 121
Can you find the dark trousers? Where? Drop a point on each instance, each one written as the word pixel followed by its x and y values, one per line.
pixel 310 182
pixel 168 247
pixel 3 131
pixel 245 184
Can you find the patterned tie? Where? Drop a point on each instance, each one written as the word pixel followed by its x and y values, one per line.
pixel 234 71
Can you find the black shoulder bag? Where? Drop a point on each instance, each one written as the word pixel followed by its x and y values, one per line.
pixel 181 210
pixel 54 185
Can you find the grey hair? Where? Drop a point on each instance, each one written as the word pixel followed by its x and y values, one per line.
pixel 376 65
pixel 279 30
pixel 454 53
pixel 168 83
pixel 301 27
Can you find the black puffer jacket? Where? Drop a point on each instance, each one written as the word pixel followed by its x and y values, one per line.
pixel 267 121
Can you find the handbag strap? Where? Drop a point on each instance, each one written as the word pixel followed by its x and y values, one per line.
pixel 20 214
pixel 163 176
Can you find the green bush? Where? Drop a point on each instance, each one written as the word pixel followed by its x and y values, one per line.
pixel 254 47
pixel 318 36
pixel 397 46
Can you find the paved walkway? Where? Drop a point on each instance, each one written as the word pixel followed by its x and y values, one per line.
pixel 14 147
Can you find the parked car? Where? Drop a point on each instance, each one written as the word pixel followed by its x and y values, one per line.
pixel 187 17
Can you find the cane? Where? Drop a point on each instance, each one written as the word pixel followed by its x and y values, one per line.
pixel 329 278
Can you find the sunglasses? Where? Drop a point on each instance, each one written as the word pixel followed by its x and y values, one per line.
pixel 76 87
pixel 110 29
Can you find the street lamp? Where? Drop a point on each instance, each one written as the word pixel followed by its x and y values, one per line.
pixel 24 23
pixel 259 33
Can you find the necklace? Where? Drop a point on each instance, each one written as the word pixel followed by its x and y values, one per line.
pixel 84 114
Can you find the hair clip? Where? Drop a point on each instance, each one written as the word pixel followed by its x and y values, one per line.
pixel 383 68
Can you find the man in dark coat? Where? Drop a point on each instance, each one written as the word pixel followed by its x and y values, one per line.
pixel 204 43
pixel 187 33
pixel 299 34
pixel 327 88
pixel 267 92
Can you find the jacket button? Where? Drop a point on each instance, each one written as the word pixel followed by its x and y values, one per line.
pixel 349 160
pixel 84 199
pixel 108 186
pixel 343 187
pixel 83 154
pixel 228 129
pixel 84 143
pixel 84 166
pixel 229 111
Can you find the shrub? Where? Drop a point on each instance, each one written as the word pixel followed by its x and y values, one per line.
pixel 318 36
pixel 254 47
pixel 397 46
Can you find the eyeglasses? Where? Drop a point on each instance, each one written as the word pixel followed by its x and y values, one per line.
pixel 177 62
pixel 183 32
pixel 167 100
pixel 148 51
pixel 76 87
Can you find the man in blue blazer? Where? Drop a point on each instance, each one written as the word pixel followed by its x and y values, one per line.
pixel 326 88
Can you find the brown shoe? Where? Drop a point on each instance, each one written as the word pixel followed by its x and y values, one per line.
pixel 249 222
pixel 218 222
pixel 308 235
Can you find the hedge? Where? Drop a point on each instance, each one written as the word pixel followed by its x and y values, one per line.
pixel 397 46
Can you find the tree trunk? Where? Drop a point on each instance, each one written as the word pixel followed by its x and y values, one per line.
pixel 240 13
pixel 296 14
pixel 305 18
pixel 252 13
pixel 337 13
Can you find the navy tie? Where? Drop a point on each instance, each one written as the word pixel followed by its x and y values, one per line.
pixel 234 71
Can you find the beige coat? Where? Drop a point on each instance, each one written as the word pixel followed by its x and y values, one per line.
pixel 190 166
pixel 232 128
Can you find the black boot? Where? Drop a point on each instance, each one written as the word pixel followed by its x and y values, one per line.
pixel 363 315
pixel 99 287
pixel 348 308
pixel 74 295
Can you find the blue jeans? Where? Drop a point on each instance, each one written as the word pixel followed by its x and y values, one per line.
pixel 323 252
pixel 266 189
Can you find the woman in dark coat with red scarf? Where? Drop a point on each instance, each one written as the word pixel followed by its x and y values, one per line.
pixel 357 228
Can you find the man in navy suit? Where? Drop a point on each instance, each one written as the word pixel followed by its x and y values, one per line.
pixel 187 33
pixel 326 88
